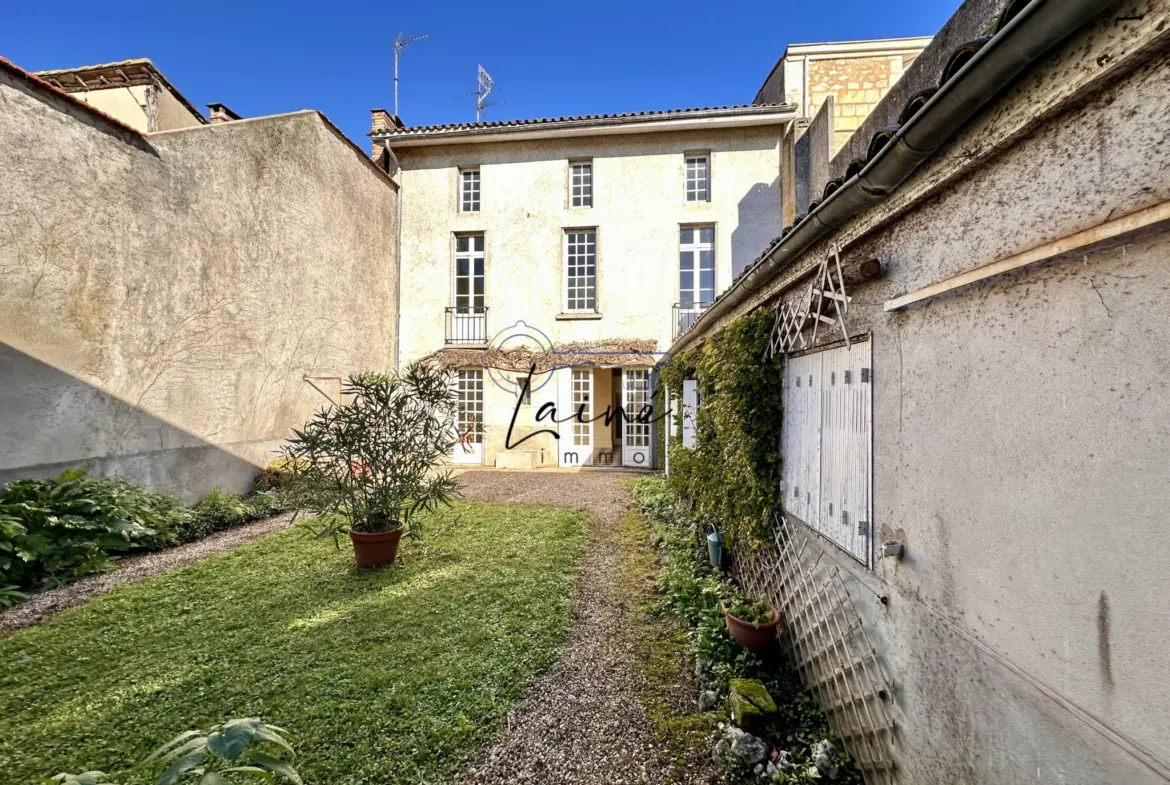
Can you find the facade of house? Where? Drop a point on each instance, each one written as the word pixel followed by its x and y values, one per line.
pixel 131 91
pixel 593 239
pixel 970 553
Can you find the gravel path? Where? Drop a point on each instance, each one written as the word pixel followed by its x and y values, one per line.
pixel 132 568
pixel 582 723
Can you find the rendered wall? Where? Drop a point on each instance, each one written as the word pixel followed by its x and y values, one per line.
pixel 161 300
pixel 1022 446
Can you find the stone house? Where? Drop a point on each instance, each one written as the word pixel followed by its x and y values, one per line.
pixel 595 238
pixel 970 550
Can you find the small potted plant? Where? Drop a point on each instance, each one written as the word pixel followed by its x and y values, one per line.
pixel 370 466
pixel 751 624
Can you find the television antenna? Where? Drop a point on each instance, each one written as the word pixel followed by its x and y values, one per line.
pixel 400 45
pixel 483 89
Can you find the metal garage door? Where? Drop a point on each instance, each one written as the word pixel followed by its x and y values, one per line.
pixel 827 442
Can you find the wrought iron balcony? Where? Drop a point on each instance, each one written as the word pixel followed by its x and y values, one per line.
pixel 685 315
pixel 466 326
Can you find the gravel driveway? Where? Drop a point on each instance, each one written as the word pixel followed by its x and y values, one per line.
pixel 582 723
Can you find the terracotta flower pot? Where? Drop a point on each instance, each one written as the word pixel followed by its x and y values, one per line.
pixel 373 550
pixel 749 636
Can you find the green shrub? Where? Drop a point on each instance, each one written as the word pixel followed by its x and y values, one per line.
pixel 56 530
pixel 733 472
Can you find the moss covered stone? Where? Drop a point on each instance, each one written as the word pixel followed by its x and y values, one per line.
pixel 750 702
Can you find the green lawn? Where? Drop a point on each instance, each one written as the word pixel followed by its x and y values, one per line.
pixel 384 676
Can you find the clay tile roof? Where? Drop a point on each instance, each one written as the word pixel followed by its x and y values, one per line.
pixel 664 114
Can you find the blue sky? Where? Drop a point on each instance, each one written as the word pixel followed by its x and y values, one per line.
pixel 548 59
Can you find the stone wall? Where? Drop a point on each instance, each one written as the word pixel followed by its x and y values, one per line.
pixel 164 297
pixel 856 85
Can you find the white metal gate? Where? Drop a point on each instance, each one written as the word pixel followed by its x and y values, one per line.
pixel 827 442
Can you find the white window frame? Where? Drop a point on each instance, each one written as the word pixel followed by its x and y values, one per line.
pixel 470 255
pixel 697 188
pixel 469 189
pixel 695 249
pixel 581 183
pixel 469 405
pixel 578 297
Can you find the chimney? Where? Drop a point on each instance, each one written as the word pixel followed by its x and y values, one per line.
pixel 381 120
pixel 220 113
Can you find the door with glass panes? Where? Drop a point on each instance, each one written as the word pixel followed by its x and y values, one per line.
pixel 469 316
pixel 696 273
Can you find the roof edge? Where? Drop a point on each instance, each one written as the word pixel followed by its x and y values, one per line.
pixel 629 123
pixel 44 87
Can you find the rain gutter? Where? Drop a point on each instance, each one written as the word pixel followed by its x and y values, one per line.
pixel 1031 33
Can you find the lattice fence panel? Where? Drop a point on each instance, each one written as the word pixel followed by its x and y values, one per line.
pixel 825 638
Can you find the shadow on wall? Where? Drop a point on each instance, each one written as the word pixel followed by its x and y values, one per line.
pixel 757 225
pixel 66 422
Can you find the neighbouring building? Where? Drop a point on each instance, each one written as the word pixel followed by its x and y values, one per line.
pixel 132 91
pixel 971 551
pixel 173 302
pixel 852 76
pixel 583 242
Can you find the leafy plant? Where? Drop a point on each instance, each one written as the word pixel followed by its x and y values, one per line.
pixel 732 473
pixel 54 530
pixel 754 613
pixel 374 460
pixel 691 590
pixel 10 595
pixel 243 747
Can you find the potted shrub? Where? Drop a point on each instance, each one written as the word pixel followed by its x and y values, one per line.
pixel 751 624
pixel 370 466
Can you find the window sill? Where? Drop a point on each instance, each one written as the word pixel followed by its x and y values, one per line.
pixel 584 315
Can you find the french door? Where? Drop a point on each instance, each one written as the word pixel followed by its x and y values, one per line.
pixel 575 395
pixel 469 417
pixel 470 317
pixel 635 435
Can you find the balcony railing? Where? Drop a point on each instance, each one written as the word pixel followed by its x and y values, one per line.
pixel 685 315
pixel 466 326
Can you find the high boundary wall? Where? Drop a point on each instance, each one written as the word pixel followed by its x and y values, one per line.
pixel 172 304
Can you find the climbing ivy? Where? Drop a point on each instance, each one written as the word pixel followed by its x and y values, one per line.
pixel 732 474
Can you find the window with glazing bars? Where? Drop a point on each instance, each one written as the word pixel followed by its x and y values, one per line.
pixel 469 415
pixel 469 190
pixel 698 178
pixel 581 270
pixel 469 278
pixel 581 184
pixel 696 265
pixel 637 396
pixel 582 405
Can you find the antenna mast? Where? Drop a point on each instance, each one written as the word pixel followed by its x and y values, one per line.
pixel 400 44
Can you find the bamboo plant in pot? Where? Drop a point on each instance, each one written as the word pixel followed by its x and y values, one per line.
pixel 370 466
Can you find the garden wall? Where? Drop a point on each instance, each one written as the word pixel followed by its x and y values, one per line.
pixel 163 297
pixel 1020 441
